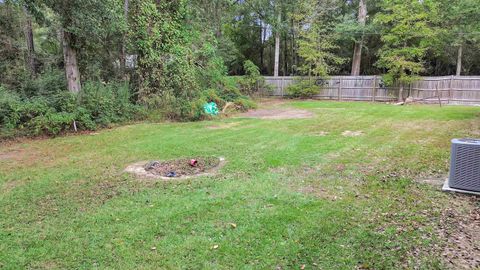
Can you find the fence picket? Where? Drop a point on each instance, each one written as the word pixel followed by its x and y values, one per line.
pixel 446 89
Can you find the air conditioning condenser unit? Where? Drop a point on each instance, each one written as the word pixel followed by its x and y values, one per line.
pixel 464 167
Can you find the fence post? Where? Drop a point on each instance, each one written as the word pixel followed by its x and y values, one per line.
pixel 438 94
pixel 282 87
pixel 450 89
pixel 340 89
pixel 374 90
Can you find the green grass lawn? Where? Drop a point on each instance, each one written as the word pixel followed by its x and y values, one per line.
pixel 298 191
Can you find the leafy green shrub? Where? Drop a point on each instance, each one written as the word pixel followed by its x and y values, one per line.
pixel 179 78
pixel 183 99
pixel 97 105
pixel 51 123
pixel 193 110
pixel 25 117
pixel 211 95
pixel 63 101
pixel 181 109
pixel 46 84
pixel 99 100
pixel 303 89
pixel 107 103
pixel 83 119
pixel 252 81
pixel 245 104
pixel 45 107
pixel 25 112
pixel 9 101
pixel 229 90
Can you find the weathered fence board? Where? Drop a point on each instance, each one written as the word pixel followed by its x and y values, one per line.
pixel 446 89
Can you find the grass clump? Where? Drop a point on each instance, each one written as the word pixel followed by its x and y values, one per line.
pixel 303 89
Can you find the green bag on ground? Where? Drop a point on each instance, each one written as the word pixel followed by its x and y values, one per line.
pixel 210 108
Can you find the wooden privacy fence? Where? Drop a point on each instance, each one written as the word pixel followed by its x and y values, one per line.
pixel 447 89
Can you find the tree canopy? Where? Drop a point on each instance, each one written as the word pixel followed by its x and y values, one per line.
pixel 176 55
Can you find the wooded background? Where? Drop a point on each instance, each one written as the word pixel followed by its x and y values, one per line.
pixel 67 64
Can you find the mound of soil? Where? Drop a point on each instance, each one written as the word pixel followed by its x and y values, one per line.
pixel 176 169
pixel 181 167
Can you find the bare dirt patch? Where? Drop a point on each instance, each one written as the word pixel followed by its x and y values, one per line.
pixel 319 133
pixel 11 155
pixel 19 155
pixel 348 133
pixel 436 181
pixel 475 132
pixel 176 169
pixel 286 113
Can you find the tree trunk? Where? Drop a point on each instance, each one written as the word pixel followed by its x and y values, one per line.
pixel 285 56
pixel 262 48
pixel 357 52
pixel 294 52
pixel 28 30
pixel 400 93
pixel 261 59
pixel 123 56
pixel 277 45
pixel 218 20
pixel 459 60
pixel 71 67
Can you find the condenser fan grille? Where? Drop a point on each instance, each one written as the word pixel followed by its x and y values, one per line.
pixel 465 165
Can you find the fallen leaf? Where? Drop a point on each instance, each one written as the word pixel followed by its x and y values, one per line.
pixel 233 225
